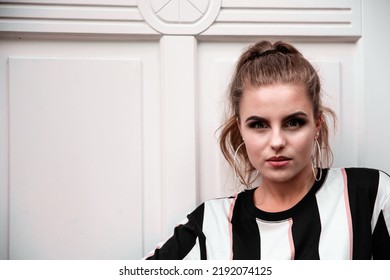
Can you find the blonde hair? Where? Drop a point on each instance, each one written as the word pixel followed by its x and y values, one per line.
pixel 263 64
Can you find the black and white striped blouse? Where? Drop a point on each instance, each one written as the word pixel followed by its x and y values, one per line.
pixel 346 215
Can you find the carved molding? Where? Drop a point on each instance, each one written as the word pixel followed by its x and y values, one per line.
pixel 116 17
pixel 288 18
pixel 330 18
pixel 180 17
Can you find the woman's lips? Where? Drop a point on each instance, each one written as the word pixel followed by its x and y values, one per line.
pixel 280 161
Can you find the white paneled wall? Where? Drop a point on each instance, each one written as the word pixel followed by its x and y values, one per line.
pixel 73 139
pixel 375 74
pixel 109 110
pixel 82 168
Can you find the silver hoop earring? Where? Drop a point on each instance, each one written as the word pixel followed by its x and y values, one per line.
pixel 318 147
pixel 234 162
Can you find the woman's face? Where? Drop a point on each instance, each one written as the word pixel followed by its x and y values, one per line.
pixel 279 130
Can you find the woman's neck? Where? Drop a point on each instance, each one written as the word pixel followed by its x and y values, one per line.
pixel 274 196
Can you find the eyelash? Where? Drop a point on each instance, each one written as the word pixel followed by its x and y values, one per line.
pixel 297 123
pixel 289 124
pixel 257 125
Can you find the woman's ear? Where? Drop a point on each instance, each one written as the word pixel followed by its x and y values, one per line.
pixel 319 123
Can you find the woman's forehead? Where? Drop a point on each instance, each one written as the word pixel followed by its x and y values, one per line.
pixel 275 100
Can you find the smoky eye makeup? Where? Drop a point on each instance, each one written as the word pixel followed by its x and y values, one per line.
pixel 257 122
pixel 295 122
pixel 257 125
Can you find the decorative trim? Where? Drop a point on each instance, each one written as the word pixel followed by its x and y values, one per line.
pixel 180 17
pixel 74 18
pixel 288 18
pixel 330 18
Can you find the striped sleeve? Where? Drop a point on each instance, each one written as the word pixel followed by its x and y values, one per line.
pixel 218 228
pixel 381 219
pixel 369 192
pixel 187 241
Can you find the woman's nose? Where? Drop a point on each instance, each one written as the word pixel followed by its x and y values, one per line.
pixel 278 140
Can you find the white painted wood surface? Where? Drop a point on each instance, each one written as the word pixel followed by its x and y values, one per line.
pixel 75 154
pixel 109 110
pixel 178 57
pixel 185 17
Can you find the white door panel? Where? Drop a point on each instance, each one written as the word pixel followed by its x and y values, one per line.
pixel 75 154
pixel 83 135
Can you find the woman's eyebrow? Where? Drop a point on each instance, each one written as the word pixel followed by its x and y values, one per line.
pixel 255 118
pixel 295 115
pixel 291 116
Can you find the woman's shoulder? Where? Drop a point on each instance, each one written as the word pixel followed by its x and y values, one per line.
pixel 223 202
pixel 361 178
pixel 220 206
pixel 359 172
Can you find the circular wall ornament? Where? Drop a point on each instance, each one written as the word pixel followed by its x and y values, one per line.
pixel 179 17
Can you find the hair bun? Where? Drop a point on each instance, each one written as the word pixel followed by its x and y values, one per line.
pixel 278 47
pixel 265 53
pixel 285 48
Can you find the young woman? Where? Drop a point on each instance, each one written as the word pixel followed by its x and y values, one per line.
pixel 278 131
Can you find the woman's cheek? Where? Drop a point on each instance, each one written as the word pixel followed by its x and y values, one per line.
pixel 304 145
pixel 255 149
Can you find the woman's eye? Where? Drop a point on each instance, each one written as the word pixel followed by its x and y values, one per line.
pixel 294 123
pixel 258 125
